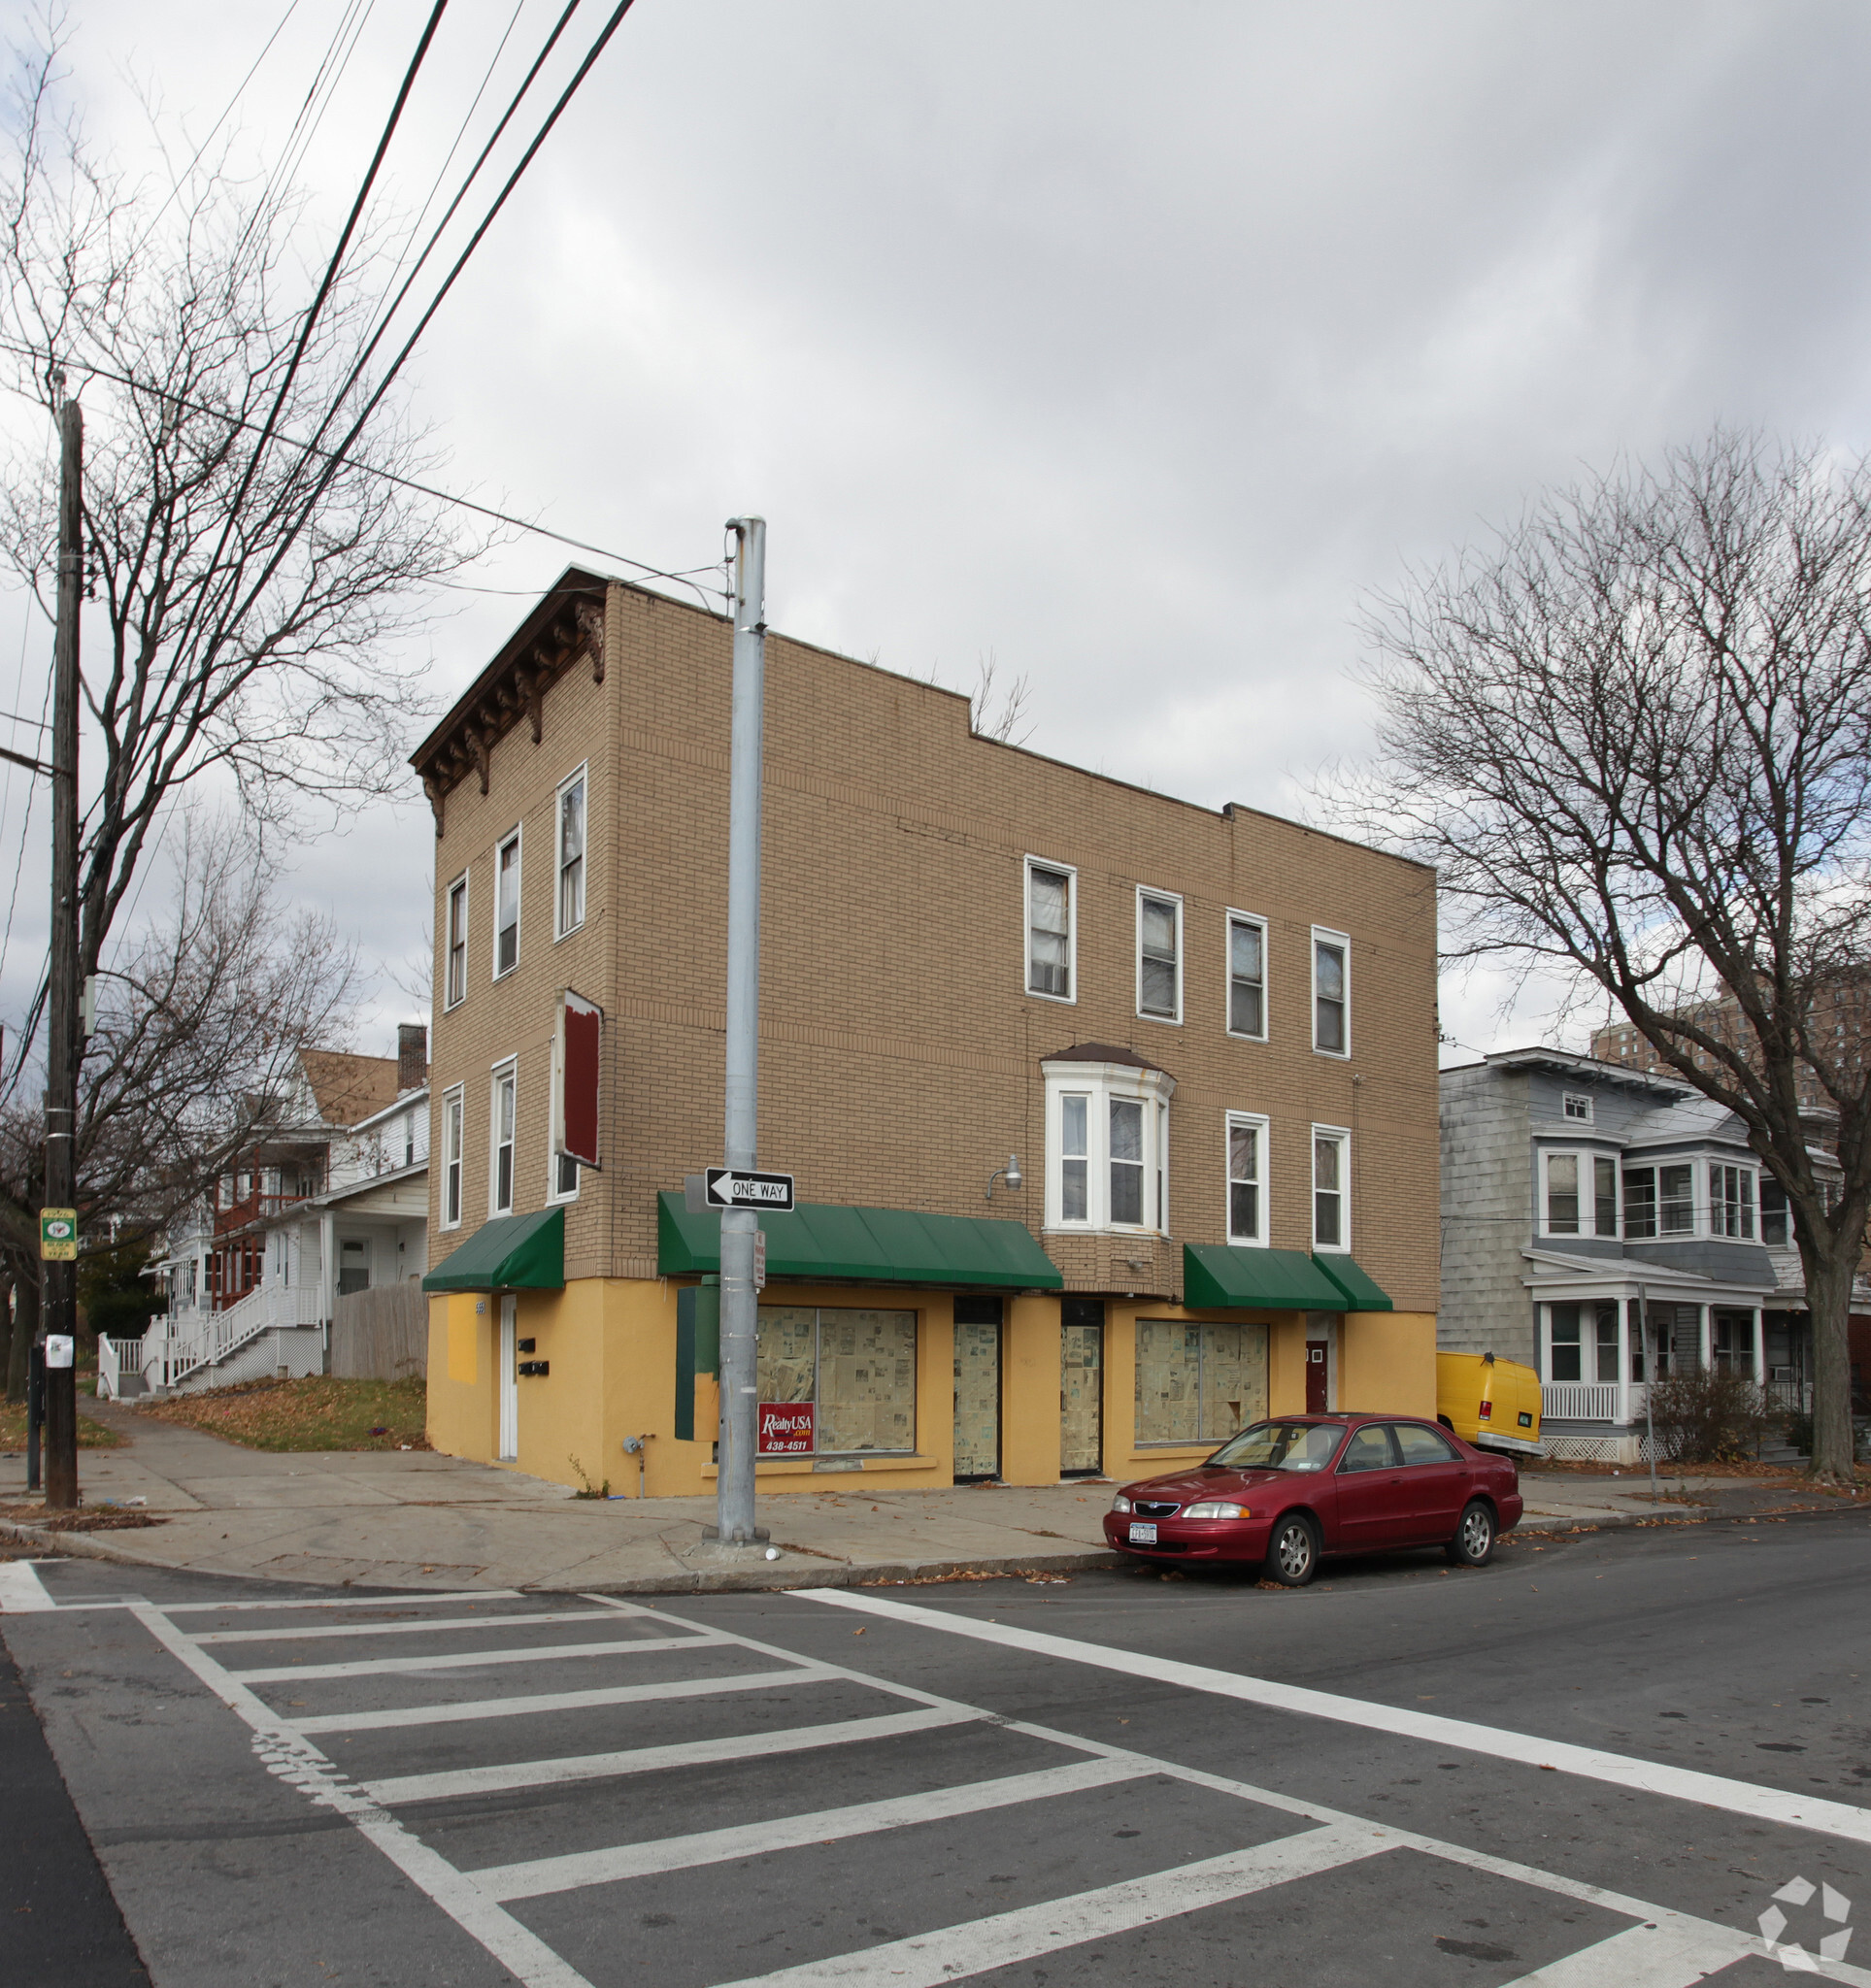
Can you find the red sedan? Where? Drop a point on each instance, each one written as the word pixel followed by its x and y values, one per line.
pixel 1290 1491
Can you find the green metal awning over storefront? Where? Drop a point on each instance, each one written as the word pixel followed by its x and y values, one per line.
pixel 1221 1278
pixel 873 1245
pixel 510 1253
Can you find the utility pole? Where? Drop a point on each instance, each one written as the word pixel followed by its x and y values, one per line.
pixel 58 1251
pixel 740 1226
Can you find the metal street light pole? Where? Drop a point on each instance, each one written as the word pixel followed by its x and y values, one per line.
pixel 740 1226
pixel 62 1043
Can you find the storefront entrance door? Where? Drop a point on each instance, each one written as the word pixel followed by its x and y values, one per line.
pixel 1314 1376
pixel 1082 1388
pixel 508 1382
pixel 977 1387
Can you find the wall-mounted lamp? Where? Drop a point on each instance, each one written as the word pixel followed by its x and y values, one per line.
pixel 1010 1173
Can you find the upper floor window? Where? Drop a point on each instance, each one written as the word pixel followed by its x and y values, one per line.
pixel 571 854
pixel 1580 1195
pixel 1776 1227
pixel 452 1117
pixel 507 906
pixel 1732 1201
pixel 1247 1179
pixel 1578 1107
pixel 1159 955
pixel 1052 933
pixel 1331 1188
pixel 1331 993
pixel 1107 1147
pixel 1247 976
pixel 500 1173
pixel 1658 1201
pixel 455 969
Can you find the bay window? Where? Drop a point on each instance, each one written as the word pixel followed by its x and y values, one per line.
pixel 1107 1143
pixel 1581 1197
pixel 1732 1201
pixel 1776 1224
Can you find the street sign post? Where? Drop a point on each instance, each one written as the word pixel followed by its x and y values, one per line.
pixel 726 1187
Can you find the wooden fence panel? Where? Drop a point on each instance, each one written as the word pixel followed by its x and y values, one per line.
pixel 382 1334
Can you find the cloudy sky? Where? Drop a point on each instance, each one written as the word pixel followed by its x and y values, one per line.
pixel 1129 345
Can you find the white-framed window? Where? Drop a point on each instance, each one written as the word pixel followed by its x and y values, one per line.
pixel 1577 1106
pixel 569 902
pixel 454 969
pixel 1107 1147
pixel 1660 1201
pixel 453 1126
pixel 507 906
pixel 1247 1179
pixel 1248 977
pixel 500 1142
pixel 1331 1187
pixel 1583 1341
pixel 1578 1194
pixel 1159 955
pixel 1051 930
pixel 1732 1201
pixel 562 1169
pixel 1331 992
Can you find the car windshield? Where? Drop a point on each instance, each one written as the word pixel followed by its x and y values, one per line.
pixel 1282 1446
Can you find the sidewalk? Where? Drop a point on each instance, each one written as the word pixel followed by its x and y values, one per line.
pixel 417 1519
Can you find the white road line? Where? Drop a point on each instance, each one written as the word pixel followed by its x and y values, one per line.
pixel 322 1630
pixel 929 1959
pixel 1495 1742
pixel 519 1951
pixel 1640 1957
pixel 474 1660
pixel 640 1760
pixel 550 1702
pixel 394 1599
pixel 22 1591
pixel 569 1872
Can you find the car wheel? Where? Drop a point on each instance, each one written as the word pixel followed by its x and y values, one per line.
pixel 1293 1554
pixel 1474 1543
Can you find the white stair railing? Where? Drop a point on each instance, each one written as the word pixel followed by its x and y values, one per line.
pixel 205 1339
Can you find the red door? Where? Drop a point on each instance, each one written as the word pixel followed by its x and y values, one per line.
pixel 1316 1376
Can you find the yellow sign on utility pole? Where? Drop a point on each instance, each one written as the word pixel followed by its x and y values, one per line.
pixel 58 1235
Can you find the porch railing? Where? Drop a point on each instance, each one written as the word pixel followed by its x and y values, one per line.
pixel 1580 1401
pixel 1790 1397
pixel 185 1342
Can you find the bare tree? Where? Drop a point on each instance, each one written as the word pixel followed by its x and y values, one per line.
pixel 252 598
pixel 1634 735
pixel 1003 717
pixel 200 1023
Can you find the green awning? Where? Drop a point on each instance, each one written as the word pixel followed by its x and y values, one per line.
pixel 873 1245
pixel 510 1253
pixel 1225 1278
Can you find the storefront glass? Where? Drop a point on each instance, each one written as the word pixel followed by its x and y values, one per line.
pixel 1198 1383
pixel 835 1379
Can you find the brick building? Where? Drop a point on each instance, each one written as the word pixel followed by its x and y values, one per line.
pixel 1209 1039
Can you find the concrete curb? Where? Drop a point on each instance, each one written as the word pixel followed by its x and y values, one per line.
pixel 786 1573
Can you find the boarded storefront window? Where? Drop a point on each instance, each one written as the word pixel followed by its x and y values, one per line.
pixel 854 1371
pixel 1198 1383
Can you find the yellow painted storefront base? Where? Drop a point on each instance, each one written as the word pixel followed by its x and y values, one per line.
pixel 610 1349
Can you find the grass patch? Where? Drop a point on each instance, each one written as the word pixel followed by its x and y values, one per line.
pixel 13 1430
pixel 321 1411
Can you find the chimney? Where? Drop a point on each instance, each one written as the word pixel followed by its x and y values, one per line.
pixel 412 1056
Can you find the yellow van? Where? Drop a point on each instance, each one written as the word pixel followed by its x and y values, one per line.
pixel 1493 1403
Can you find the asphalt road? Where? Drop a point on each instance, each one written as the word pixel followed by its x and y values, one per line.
pixel 1589 1766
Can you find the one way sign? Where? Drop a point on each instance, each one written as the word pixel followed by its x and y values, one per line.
pixel 735 1187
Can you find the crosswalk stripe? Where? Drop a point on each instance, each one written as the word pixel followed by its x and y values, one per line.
pixel 551 1702
pixel 319 1630
pixel 927 1960
pixel 544 1874
pixel 397 1600
pixel 639 1760
pixel 474 1660
pixel 22 1591
pixel 1653 1956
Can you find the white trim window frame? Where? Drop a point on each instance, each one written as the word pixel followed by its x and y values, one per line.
pixel 1576 1106
pixel 1247 1156
pixel 1159 955
pixel 571 836
pixel 455 944
pixel 1106 1148
pixel 455 1126
pixel 1049 953
pixel 1732 1201
pixel 1332 1189
pixel 507 891
pixel 1241 983
pixel 1590 1181
pixel 560 1168
pixel 503 1117
pixel 1326 997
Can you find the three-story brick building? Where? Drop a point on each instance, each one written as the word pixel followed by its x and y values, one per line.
pixel 1208 1039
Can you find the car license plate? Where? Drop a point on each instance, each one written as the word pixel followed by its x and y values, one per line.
pixel 1142 1535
